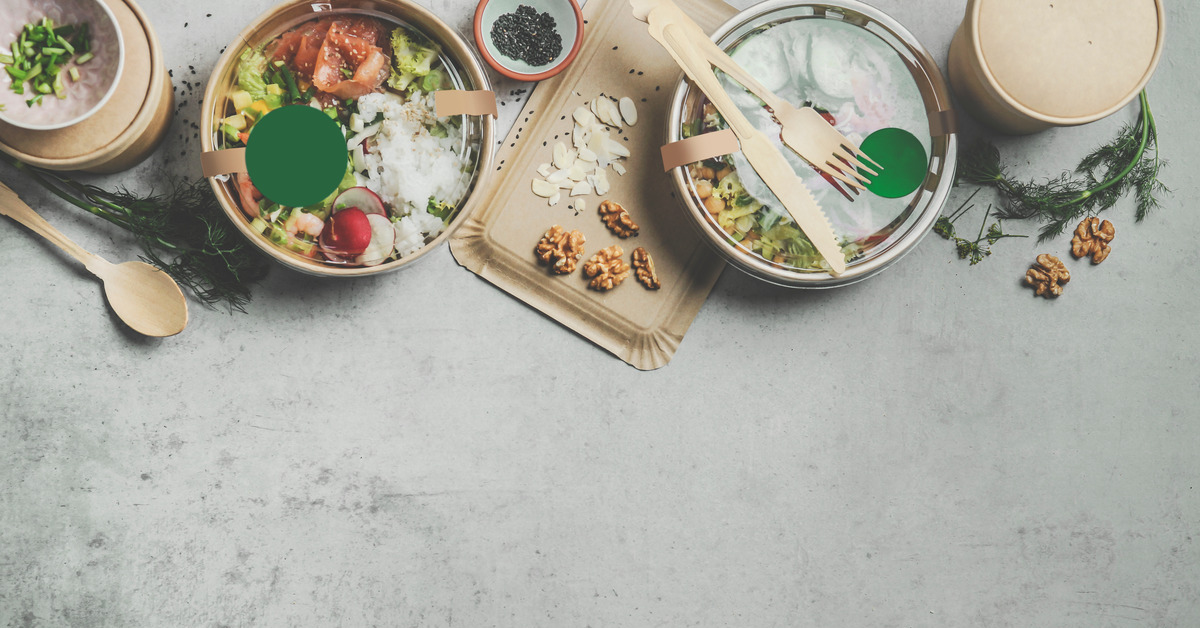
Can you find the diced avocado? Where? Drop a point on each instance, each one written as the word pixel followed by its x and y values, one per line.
pixel 331 112
pixel 241 99
pixel 237 121
pixel 274 90
pixel 273 101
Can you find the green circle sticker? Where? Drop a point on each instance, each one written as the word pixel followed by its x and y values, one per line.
pixel 903 158
pixel 296 155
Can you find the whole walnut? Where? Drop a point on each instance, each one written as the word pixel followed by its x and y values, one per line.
pixel 1047 276
pixel 1092 237
pixel 617 219
pixel 606 269
pixel 560 249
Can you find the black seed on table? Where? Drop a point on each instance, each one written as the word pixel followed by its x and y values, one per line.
pixel 631 71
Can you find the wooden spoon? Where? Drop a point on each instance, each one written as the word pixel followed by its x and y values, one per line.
pixel 146 298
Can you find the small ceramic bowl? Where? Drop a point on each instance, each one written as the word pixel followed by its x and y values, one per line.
pixel 568 20
pixel 98 77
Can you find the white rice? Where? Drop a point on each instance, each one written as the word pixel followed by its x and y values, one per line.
pixel 406 165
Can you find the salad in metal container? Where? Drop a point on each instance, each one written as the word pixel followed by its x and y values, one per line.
pixel 407 171
pixel 860 85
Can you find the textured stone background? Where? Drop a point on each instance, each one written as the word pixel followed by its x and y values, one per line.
pixel 933 447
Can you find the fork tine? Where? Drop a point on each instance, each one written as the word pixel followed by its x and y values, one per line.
pixel 835 172
pixel 854 163
pixel 858 152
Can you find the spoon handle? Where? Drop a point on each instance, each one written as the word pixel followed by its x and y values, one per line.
pixel 18 210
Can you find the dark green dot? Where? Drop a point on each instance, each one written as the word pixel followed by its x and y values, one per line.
pixel 296 156
pixel 903 158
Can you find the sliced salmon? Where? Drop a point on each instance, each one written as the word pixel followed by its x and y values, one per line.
pixel 349 64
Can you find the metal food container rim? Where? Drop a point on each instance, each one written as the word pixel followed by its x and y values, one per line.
pixel 405 11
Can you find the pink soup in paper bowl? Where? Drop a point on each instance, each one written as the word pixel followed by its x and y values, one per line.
pixel 97 76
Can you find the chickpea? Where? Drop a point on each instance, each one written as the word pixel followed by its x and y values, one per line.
pixel 704 189
pixel 714 204
pixel 704 172
pixel 724 172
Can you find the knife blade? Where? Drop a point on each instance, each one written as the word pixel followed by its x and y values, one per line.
pixel 766 159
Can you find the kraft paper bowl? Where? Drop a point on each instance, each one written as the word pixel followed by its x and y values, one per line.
pixel 469 75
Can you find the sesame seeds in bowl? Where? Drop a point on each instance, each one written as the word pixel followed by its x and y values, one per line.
pixel 528 40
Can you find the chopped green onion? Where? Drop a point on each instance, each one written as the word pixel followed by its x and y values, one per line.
pixel 39 54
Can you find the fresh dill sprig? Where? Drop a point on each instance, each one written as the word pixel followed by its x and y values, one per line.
pixel 979 248
pixel 182 231
pixel 1128 163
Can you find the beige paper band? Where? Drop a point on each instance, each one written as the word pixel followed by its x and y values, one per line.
pixel 218 162
pixel 699 148
pixel 457 102
pixel 942 123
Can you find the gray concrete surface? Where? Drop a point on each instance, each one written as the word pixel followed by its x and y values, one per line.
pixel 931 448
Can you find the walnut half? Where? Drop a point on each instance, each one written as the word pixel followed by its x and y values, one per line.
pixel 618 220
pixel 560 249
pixel 1092 237
pixel 606 269
pixel 643 268
pixel 1047 276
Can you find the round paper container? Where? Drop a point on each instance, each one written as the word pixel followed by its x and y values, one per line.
pixel 126 129
pixel 1022 66
pixel 466 66
pixel 918 216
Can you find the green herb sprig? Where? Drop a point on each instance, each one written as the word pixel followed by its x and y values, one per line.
pixel 1130 162
pixel 183 232
pixel 979 248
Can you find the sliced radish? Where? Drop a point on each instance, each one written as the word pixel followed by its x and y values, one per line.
pixel 362 198
pixel 346 234
pixel 383 241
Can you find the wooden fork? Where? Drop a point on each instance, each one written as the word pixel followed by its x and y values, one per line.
pixel 804 129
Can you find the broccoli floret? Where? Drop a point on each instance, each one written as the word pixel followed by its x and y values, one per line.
pixel 413 56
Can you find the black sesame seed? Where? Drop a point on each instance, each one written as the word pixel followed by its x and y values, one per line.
pixel 527 36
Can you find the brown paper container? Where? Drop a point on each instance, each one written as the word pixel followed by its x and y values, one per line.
pixel 642 327
pixel 289 14
pixel 1022 66
pixel 127 129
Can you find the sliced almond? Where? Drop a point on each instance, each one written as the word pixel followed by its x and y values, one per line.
pixel 601 183
pixel 544 170
pixel 586 154
pixel 577 173
pixel 580 137
pixel 563 156
pixel 583 117
pixel 617 148
pixel 581 188
pixel 628 111
pixel 618 168
pixel 555 198
pixel 544 189
pixel 558 176
pixel 580 206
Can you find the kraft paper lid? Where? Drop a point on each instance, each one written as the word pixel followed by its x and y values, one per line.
pixel 1069 58
pixel 107 124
